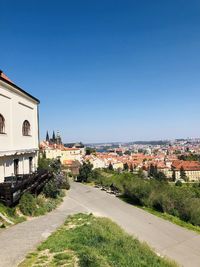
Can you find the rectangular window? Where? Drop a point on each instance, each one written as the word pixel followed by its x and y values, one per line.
pixel 16 166
pixel 30 164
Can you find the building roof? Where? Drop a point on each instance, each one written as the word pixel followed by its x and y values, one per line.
pixel 5 79
pixel 186 165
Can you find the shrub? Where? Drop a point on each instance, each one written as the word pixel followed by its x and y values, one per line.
pixel 50 205
pixel 156 201
pixel 182 200
pixel 41 200
pixel 84 172
pixel 178 183
pixel 62 193
pixel 44 164
pixel 139 191
pixel 51 189
pixel 65 183
pixel 195 212
pixel 28 204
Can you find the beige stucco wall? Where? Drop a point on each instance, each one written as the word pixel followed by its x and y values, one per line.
pixel 64 154
pixel 17 107
pixel 192 175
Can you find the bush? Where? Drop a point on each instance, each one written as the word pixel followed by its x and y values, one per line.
pixel 51 189
pixel 84 172
pixel 195 212
pixel 156 201
pixel 28 204
pixel 182 200
pixel 178 183
pixel 50 205
pixel 44 164
pixel 65 183
pixel 139 191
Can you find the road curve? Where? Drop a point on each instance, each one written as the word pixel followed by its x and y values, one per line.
pixel 166 238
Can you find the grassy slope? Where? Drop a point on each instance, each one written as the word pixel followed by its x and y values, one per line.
pixel 110 178
pixel 87 241
pixel 165 216
pixel 13 214
pixel 10 214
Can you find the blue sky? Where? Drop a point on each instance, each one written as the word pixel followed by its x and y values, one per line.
pixel 107 70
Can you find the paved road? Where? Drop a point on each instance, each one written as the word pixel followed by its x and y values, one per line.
pixel 166 238
pixel 18 240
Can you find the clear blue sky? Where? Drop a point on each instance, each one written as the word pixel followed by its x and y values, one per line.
pixel 107 70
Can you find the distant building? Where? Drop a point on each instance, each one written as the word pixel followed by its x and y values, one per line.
pixel 56 139
pixel 97 163
pixel 53 148
pixel 72 166
pixel 191 169
pixel 19 132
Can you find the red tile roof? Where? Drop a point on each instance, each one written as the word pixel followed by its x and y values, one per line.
pixel 2 75
pixel 8 81
pixel 187 165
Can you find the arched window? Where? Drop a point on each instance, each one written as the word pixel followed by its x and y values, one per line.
pixel 26 128
pixel 2 124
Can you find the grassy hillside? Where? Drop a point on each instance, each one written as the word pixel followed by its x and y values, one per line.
pixel 87 241
pixel 9 216
pixel 182 202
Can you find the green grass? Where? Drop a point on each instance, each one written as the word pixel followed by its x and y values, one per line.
pixel 45 205
pixel 173 219
pixel 164 216
pixel 10 214
pixel 14 214
pixel 87 241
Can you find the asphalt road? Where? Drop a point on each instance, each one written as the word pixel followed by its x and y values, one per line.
pixel 166 238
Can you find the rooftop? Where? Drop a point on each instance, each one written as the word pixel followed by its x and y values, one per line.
pixel 4 78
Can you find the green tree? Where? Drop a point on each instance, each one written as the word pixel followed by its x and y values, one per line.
pixel 177 152
pixel 44 155
pixel 28 204
pixel 85 172
pixel 126 167
pixel 153 171
pixel 127 152
pixel 56 165
pixel 183 174
pixel 140 173
pixel 44 164
pixel 110 167
pixel 51 189
pixel 161 176
pixel 90 150
pixel 173 175
pixel 131 167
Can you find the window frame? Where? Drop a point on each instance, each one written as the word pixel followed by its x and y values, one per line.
pixel 26 128
pixel 2 127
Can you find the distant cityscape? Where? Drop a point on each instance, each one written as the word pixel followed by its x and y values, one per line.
pixel 172 159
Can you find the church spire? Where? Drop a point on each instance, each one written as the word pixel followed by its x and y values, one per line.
pixel 47 137
pixel 54 137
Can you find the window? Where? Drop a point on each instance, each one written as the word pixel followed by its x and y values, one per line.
pixel 2 124
pixel 30 164
pixel 16 166
pixel 26 128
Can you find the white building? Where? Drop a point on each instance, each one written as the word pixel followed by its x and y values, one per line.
pixel 19 133
pixel 97 163
pixel 53 151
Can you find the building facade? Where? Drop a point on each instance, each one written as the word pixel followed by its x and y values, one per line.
pixel 55 151
pixel 19 131
pixel 190 168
